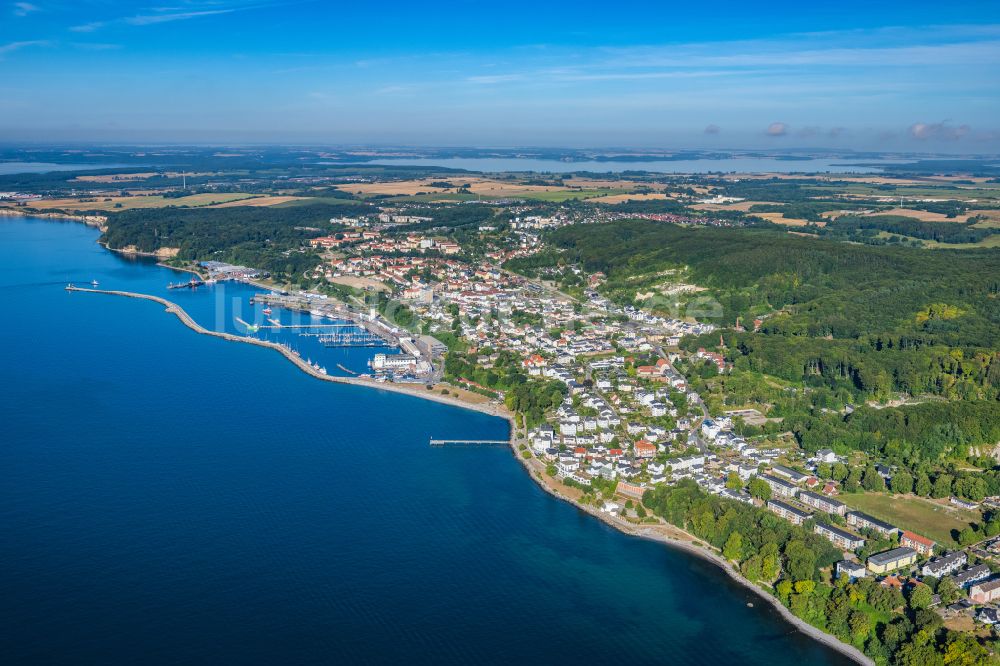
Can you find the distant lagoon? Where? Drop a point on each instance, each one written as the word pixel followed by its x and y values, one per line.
pixel 728 165
pixel 8 168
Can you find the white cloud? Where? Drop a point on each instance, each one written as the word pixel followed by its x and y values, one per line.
pixel 941 131
pixel 776 129
pixel 152 19
pixel 162 15
pixel 88 27
pixel 16 46
pixel 25 8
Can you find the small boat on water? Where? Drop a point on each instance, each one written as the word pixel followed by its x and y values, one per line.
pixel 266 311
pixel 190 284
pixel 94 282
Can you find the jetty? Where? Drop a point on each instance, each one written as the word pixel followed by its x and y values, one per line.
pixel 276 324
pixel 470 442
pixel 287 352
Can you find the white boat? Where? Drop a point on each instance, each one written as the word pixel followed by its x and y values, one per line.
pixel 94 282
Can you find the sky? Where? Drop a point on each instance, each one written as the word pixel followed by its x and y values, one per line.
pixel 876 75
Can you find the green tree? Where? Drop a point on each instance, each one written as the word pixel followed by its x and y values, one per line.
pixel 733 481
pixel 784 589
pixel 839 472
pixel 733 549
pixel 948 591
pixel 872 481
pixel 770 564
pixel 920 597
pixel 853 482
pixel 902 482
pixel 861 625
pixel 758 488
pixel 942 486
pixel 968 536
pixel 805 586
pixel 962 649
pixel 923 485
pixel 752 568
pixel 801 561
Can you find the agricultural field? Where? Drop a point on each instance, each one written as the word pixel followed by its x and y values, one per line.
pixel 992 220
pixel 433 189
pixel 922 215
pixel 988 242
pixel 923 516
pixel 127 177
pixel 262 201
pixel 130 203
pixel 622 198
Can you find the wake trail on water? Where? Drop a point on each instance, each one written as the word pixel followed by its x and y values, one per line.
pixel 25 285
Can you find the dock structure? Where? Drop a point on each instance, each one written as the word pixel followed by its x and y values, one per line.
pixel 469 442
pixel 285 351
pixel 347 317
pixel 280 325
pixel 351 339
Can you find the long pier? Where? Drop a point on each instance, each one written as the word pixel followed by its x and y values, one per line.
pixel 188 321
pixel 334 312
pixel 308 325
pixel 470 442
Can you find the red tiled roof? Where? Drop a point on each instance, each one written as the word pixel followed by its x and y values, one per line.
pixel 918 539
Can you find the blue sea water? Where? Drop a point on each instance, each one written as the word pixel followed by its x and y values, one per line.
pixel 167 498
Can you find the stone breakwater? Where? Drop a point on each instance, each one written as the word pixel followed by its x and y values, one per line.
pixel 188 320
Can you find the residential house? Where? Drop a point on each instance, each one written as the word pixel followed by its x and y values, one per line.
pixel 788 473
pixel 890 560
pixel 644 449
pixel 853 570
pixel 863 521
pixel 780 486
pixel 822 503
pixel 971 575
pixel 826 456
pixel 946 564
pixel 964 504
pixel 922 545
pixel 788 512
pixel 986 591
pixel 839 537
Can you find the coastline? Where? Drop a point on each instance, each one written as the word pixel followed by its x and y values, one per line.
pixel 412 390
pixel 659 533
pixel 694 546
pixel 89 220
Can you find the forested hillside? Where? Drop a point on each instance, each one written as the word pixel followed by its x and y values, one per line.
pixel 261 237
pixel 848 323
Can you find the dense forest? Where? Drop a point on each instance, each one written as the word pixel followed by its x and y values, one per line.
pixel 530 398
pixel 269 238
pixel 846 323
pixel 818 288
pixel 942 232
